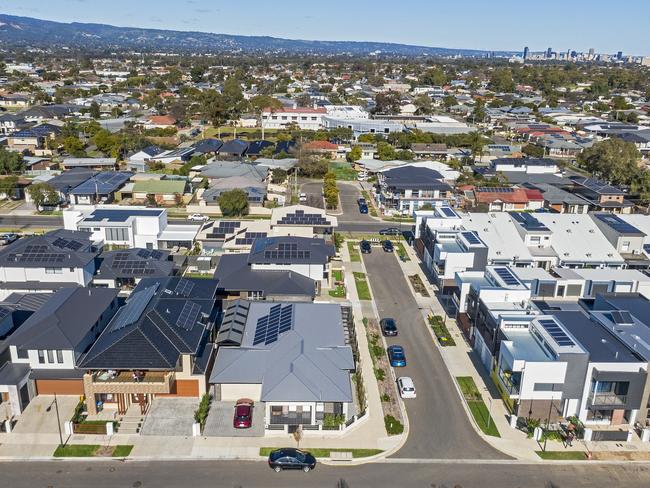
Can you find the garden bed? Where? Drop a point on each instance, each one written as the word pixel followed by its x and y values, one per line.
pixel 363 289
pixel 355 256
pixel 440 330
pixel 418 285
pixel 339 285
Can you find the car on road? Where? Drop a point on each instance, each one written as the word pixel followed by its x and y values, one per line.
pixel 390 231
pixel 396 356
pixel 387 246
pixel 365 247
pixel 290 458
pixel 8 238
pixel 243 418
pixel 303 197
pixel 361 201
pixel 363 208
pixel 388 327
pixel 197 217
pixel 406 387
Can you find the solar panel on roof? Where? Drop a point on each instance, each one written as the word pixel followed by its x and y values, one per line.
pixel 622 317
pixel 495 189
pixel 617 223
pixel 133 309
pixel 556 332
pixel 74 245
pixel 471 237
pixel 60 243
pixel 143 253
pixel 184 287
pixel 506 275
pixel 156 254
pixel 188 316
pixel 448 211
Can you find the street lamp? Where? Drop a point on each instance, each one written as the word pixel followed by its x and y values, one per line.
pixel 58 419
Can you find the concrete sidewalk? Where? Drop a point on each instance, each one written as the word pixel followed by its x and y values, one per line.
pixel 461 360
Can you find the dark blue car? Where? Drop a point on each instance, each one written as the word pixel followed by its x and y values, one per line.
pixel 363 208
pixel 396 356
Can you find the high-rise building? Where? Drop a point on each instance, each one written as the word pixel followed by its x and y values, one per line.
pixel 619 55
pixel 526 52
pixel 549 53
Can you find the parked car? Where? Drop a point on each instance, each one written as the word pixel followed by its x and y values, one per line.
pixel 363 208
pixel 290 458
pixel 365 247
pixel 388 327
pixel 8 238
pixel 387 246
pixel 390 231
pixel 396 356
pixel 243 418
pixel 406 387
pixel 303 197
pixel 197 217
pixel 362 201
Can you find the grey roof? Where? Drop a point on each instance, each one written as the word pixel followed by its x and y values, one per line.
pixel 555 195
pixel 235 274
pixel 234 146
pixel 602 346
pixel 68 180
pixel 521 177
pixel 65 319
pixel 134 263
pixel 519 162
pixel 308 362
pixel 285 163
pixel 27 301
pixel 59 248
pixel 162 319
pixel 13 373
pixel 414 177
pixel 255 190
pixel 103 183
pixel 84 162
pixel 207 146
pixel 290 250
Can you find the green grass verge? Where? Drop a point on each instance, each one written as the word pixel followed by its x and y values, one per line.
pixel 363 290
pixel 476 405
pixel 441 332
pixel 354 252
pixel 338 292
pixel 325 452
pixel 562 455
pixel 76 450
pixel 343 171
pixel 401 252
pixel 337 274
pixel 122 450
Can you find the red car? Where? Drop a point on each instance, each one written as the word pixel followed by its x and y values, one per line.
pixel 243 414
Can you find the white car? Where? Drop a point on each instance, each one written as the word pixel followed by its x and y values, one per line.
pixel 406 387
pixel 198 218
pixel 303 197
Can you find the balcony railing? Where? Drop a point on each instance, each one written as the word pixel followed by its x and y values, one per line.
pixel 129 377
pixel 507 382
pixel 608 399
pixel 291 418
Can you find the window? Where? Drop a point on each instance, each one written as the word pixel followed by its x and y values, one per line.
pixel 535 240
pixel 625 246
pixel 59 357
pixel 50 356
pixel 22 353
pixel 53 270
pixel 547 387
pixel 41 357
pixel 117 234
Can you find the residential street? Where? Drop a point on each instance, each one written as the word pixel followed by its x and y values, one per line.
pixel 200 474
pixel 439 427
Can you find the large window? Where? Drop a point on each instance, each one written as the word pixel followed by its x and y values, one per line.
pixel 41 356
pixel 23 353
pixel 53 270
pixel 59 356
pixel 50 356
pixel 117 234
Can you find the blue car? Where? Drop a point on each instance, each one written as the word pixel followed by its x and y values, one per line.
pixel 396 356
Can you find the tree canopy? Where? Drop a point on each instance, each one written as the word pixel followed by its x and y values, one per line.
pixel 233 203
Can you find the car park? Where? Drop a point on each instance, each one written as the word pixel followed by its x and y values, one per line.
pixel 390 231
pixel 243 418
pixel 365 247
pixel 406 387
pixel 396 356
pixel 388 327
pixel 290 458
pixel 8 238
pixel 387 246
pixel 197 217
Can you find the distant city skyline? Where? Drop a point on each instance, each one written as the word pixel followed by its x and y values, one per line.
pixel 466 24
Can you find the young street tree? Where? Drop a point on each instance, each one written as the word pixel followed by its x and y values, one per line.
pixel 233 203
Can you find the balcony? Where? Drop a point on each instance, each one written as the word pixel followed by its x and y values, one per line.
pixel 129 377
pixel 126 382
pixel 607 399
pixel 510 381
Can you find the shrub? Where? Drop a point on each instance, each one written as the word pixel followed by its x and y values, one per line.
pixel 201 413
pixel 393 426
pixel 385 397
pixel 380 374
pixel 333 420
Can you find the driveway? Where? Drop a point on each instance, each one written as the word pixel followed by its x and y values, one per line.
pixel 36 419
pixel 219 422
pixel 170 416
pixel 439 426
pixel 314 192
pixel 349 193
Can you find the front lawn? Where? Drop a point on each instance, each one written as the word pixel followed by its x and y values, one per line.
pixel 325 451
pixel 76 450
pixel 355 257
pixel 562 455
pixel 363 290
pixel 122 450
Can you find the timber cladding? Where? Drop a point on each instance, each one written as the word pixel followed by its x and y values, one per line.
pixel 184 388
pixel 60 387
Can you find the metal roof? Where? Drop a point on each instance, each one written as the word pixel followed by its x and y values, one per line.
pixel 103 183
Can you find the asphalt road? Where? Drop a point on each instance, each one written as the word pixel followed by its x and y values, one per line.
pixel 349 194
pixel 314 192
pixel 439 427
pixel 200 474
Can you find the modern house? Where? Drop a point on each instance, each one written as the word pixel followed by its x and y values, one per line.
pixel 601 196
pixel 292 359
pixel 255 190
pixel 138 160
pixel 305 118
pixel 506 199
pixel 301 220
pixel 159 343
pixel 125 268
pixel 406 189
pixel 60 256
pixel 100 188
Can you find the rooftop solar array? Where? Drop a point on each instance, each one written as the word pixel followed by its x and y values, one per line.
pixel 556 332
pixel 448 212
pixel 528 221
pixel 287 251
pixel 506 275
pixel 188 316
pixel 598 186
pixel 617 223
pixel 184 287
pixel 248 238
pixel 119 215
pixel 471 237
pixel 302 218
pixel 4 312
pixel 65 244
pixel 495 189
pixel 102 183
pixel 131 312
pixel 225 227
pixel 37 254
pixel 278 321
pixel 622 317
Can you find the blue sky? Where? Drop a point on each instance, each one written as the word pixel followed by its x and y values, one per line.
pixel 474 24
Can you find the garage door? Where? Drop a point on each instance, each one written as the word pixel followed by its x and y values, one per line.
pixel 60 387
pixel 183 388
